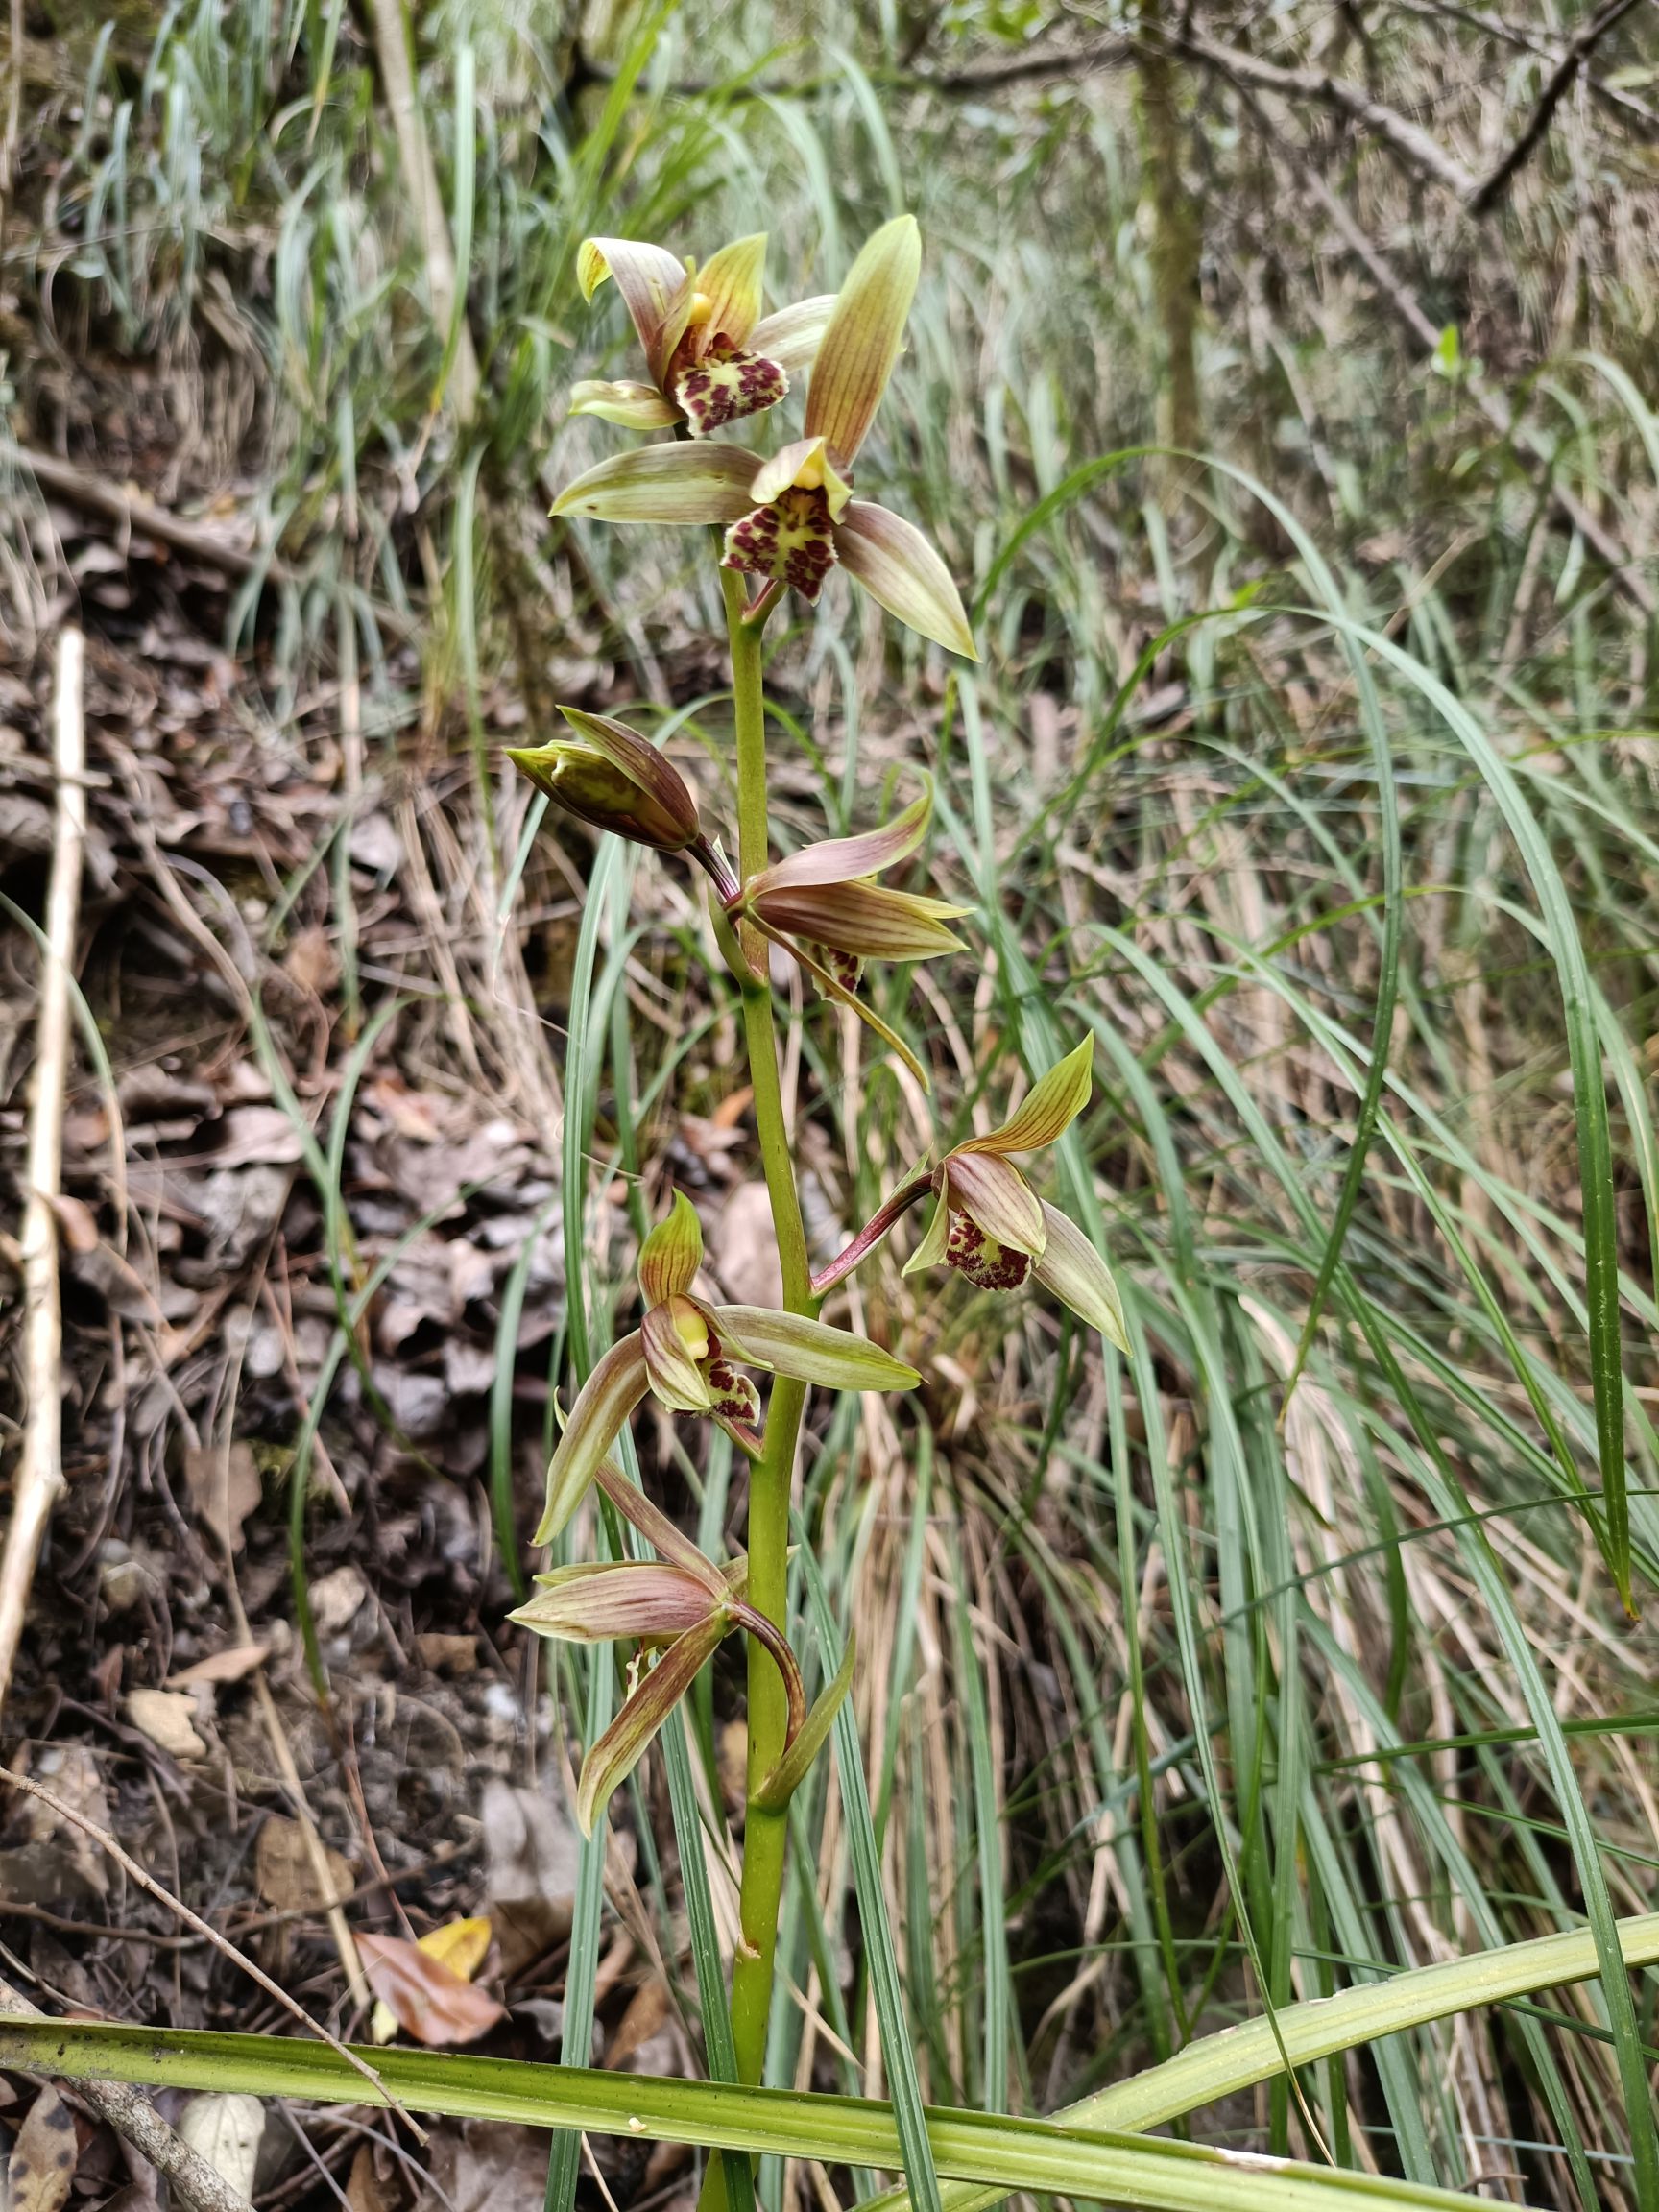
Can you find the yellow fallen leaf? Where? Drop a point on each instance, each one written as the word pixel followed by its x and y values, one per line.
pixel 460 1945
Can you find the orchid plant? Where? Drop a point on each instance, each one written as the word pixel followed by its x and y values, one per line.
pixel 787 521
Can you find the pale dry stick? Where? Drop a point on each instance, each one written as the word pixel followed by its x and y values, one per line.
pixel 196 2182
pixel 425 198
pixel 130 1867
pixel 98 496
pixel 13 106
pixel 1408 139
pixel 40 1467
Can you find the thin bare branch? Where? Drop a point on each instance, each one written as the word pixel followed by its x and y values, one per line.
pixel 1625 572
pixel 130 1865
pixel 41 1466
pixel 133 512
pixel 1404 137
pixel 1576 54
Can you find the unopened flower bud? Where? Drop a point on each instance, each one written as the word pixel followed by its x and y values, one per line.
pixel 608 775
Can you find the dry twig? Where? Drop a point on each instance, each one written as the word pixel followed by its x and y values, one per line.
pixel 133 512
pixel 1625 572
pixel 41 1466
pixel 1577 53
pixel 130 1865
pixel 1413 145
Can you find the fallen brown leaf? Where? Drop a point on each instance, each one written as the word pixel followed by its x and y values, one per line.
pixel 427 2001
pixel 43 2158
pixel 167 1717
pixel 228 1666
pixel 283 1873
pixel 223 1490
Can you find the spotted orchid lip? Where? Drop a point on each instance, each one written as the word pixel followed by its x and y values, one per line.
pixel 712 357
pixel 724 384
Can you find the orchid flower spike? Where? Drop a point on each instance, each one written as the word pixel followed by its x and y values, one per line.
pixel 689 1353
pixel 824 906
pixel 711 356
pixel 793 519
pixel 990 1225
pixel 608 775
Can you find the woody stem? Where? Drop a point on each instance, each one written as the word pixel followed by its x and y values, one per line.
pixel 771 1474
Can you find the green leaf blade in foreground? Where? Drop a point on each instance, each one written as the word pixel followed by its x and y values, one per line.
pixel 986 2149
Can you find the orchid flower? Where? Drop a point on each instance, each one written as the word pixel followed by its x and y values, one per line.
pixel 687 1355
pixel 823 905
pixel 990 1225
pixel 712 357
pixel 793 519
pixel 679 1604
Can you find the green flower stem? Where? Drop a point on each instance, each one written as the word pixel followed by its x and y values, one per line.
pixel 769 1481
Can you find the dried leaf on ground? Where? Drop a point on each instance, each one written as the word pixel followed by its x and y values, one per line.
pixel 49 1859
pixel 365 2189
pixel 226 2132
pixel 446 1654
pixel 224 1489
pixel 336 1599
pixel 167 1717
pixel 532 1846
pixel 647 2012
pixel 285 1873
pixel 743 1248
pixel 427 2001
pixel 461 1945
pixel 43 2158
pixel 230 1665
pixel 485 2166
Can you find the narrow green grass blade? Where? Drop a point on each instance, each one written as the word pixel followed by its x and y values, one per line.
pixel 881 1964
pixel 582 1070
pixel 987 1844
pixel 989 2150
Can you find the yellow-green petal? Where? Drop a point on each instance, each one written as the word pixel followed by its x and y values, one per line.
pixel 931 1252
pixel 726 291
pixel 599 1602
pixel 672 1253
pixel 1052 1106
pixel 676 1376
pixel 994 1193
pixel 813 1352
pixel 602 1406
pixel 803 466
pixel 1074 1271
pixel 703 482
pixel 899 569
pixel 865 919
pixel 848 860
pixel 622 1747
pixel 793 335
pixel 654 286
pixel 859 349
pixel 636 406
